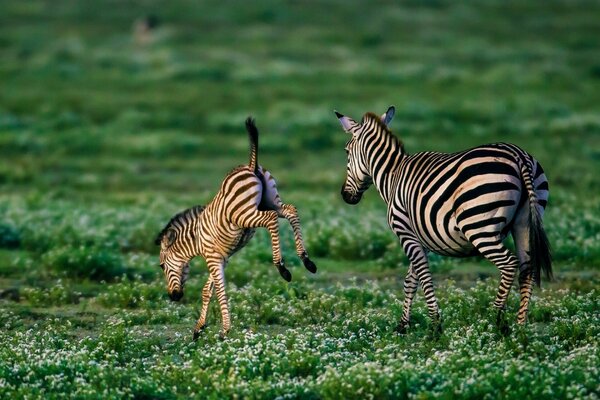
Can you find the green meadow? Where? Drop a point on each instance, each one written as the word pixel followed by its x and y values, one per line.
pixel 107 130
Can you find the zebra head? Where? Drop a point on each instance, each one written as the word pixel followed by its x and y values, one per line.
pixel 177 247
pixel 174 265
pixel 358 176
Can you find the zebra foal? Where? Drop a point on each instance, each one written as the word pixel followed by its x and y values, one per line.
pixel 248 199
pixel 455 204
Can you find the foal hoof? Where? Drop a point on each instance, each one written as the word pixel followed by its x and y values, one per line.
pixel 197 332
pixel 222 335
pixel 284 272
pixel 309 265
pixel 402 328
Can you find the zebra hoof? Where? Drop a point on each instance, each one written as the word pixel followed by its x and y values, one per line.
pixel 309 265
pixel 197 332
pixel 222 335
pixel 284 272
pixel 402 328
pixel 502 323
pixel 435 332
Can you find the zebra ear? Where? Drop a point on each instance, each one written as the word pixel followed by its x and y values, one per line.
pixel 387 116
pixel 171 236
pixel 347 123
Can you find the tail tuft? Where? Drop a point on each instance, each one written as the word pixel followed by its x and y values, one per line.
pixel 253 135
pixel 541 258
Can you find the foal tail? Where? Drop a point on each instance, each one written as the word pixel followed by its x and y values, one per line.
pixel 253 135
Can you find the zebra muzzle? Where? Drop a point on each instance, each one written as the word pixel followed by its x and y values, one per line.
pixel 350 198
pixel 176 295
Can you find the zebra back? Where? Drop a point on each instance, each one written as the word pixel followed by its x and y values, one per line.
pixel 179 220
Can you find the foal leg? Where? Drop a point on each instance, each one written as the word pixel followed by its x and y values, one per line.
pixel 207 292
pixel 289 212
pixel 217 272
pixel 270 220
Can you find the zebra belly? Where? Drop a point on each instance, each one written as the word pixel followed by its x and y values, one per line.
pixel 242 240
pixel 455 244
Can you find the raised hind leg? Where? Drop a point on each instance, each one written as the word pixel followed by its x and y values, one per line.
pixel 289 212
pixel 207 292
pixel 269 220
pixel 494 250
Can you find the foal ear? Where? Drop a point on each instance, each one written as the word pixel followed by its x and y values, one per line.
pixel 171 236
pixel 387 116
pixel 347 122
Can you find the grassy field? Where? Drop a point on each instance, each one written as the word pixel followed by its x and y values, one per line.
pixel 104 135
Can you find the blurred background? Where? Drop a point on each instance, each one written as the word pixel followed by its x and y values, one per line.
pixel 116 115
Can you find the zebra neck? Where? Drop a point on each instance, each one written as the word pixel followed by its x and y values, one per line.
pixel 383 164
pixel 196 230
pixel 191 230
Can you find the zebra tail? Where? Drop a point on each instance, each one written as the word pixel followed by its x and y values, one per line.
pixel 539 247
pixel 253 135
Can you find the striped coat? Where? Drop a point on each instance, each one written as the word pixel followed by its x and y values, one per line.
pixel 247 199
pixel 458 204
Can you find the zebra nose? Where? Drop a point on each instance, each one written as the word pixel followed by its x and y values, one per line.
pixel 349 198
pixel 176 295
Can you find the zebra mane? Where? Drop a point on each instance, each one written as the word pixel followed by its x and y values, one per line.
pixel 183 217
pixel 377 120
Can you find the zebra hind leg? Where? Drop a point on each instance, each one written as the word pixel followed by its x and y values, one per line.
pixel 270 220
pixel 521 237
pixel 495 251
pixel 207 292
pixel 289 212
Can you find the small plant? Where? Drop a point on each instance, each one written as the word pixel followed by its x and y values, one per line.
pixel 96 263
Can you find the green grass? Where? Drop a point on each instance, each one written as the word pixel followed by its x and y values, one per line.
pixel 103 139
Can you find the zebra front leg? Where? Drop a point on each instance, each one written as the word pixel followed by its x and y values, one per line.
pixel 270 220
pixel 207 292
pixel 421 268
pixel 289 212
pixel 216 269
pixel 419 271
pixel 411 284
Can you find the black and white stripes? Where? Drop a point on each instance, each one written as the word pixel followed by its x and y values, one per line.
pixel 457 204
pixel 248 199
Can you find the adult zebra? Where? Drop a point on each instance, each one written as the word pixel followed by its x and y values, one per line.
pixel 455 204
pixel 248 199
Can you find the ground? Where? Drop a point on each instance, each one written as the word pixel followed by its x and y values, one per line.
pixel 105 133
